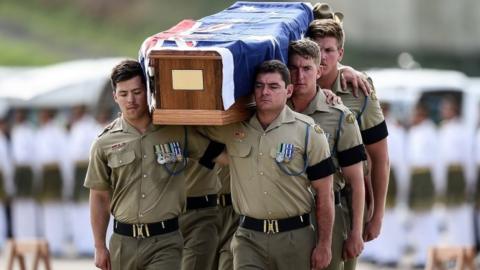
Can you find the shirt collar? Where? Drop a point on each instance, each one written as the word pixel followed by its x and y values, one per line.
pixel 318 103
pixel 285 116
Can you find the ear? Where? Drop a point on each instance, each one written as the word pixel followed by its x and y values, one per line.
pixel 319 72
pixel 340 54
pixel 114 96
pixel 289 90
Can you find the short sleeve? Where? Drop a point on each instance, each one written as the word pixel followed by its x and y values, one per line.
pixel 350 149
pixel 98 172
pixel 320 163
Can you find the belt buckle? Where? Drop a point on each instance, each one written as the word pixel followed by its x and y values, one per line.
pixel 222 200
pixel 270 226
pixel 138 231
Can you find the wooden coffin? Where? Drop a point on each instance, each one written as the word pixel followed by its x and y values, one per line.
pixel 187 87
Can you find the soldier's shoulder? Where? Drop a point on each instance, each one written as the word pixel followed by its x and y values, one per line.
pixel 109 127
pixel 304 118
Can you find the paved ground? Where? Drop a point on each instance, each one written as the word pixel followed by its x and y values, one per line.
pixel 87 264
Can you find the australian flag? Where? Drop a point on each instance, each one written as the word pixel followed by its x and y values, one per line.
pixel 245 35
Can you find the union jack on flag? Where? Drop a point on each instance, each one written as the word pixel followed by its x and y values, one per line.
pixel 245 35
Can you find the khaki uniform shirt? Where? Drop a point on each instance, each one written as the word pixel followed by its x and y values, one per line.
pixel 371 121
pixel 223 173
pixel 260 189
pixel 342 132
pixel 200 180
pixel 124 161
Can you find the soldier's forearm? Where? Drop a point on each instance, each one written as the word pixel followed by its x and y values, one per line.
pixel 99 217
pixel 325 216
pixel 354 176
pixel 324 210
pixel 379 174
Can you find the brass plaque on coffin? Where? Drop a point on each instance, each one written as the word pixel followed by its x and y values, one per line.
pixel 183 79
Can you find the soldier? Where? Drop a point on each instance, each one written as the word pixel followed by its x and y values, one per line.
pixel 329 35
pixel 82 133
pixel 476 214
pixel 6 185
pixel 274 158
pixel 199 222
pixel 456 176
pixel 393 232
pixel 24 207
pixel 422 142
pixel 136 171
pixel 345 143
pixel 54 185
pixel 227 221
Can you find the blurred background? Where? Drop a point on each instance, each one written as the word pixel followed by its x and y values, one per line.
pixel 423 56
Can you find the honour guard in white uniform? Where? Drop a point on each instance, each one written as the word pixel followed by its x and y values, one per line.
pixel 6 186
pixel 393 229
pixel 25 211
pixel 83 132
pixel 456 175
pixel 54 183
pixel 423 185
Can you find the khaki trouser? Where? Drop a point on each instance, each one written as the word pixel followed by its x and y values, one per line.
pixel 341 228
pixel 477 190
pixel 281 251
pixel 421 195
pixel 3 193
pixel 456 191
pixel 200 232
pixel 391 200
pixel 160 252
pixel 227 225
pixel 23 180
pixel 80 193
pixel 51 187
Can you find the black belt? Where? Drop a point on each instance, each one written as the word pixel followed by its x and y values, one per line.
pixel 225 200
pixel 147 229
pixel 201 202
pixel 339 194
pixel 272 226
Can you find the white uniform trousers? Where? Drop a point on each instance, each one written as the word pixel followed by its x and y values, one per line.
pixel 81 229
pixel 25 219
pixel 3 226
pixel 390 244
pixel 54 226
pixel 459 221
pixel 424 233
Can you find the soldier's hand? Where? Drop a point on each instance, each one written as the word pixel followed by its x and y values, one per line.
pixel 353 246
pixel 372 229
pixel 331 98
pixel 356 79
pixel 321 257
pixel 102 258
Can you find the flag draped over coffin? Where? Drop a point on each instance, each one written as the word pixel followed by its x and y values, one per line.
pixel 245 35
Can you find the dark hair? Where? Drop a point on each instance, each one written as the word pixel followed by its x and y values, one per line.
pixel 274 66
pixel 326 28
pixel 306 48
pixel 126 70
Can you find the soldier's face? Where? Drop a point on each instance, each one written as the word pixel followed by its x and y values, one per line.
pixel 131 97
pixel 304 74
pixel 331 54
pixel 271 92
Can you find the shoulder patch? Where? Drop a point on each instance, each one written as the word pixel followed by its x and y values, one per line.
pixel 373 96
pixel 350 118
pixel 317 129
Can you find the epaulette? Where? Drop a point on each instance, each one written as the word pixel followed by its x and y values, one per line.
pixel 304 118
pixel 107 128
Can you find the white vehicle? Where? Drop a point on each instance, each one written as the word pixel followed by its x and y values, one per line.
pixel 403 89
